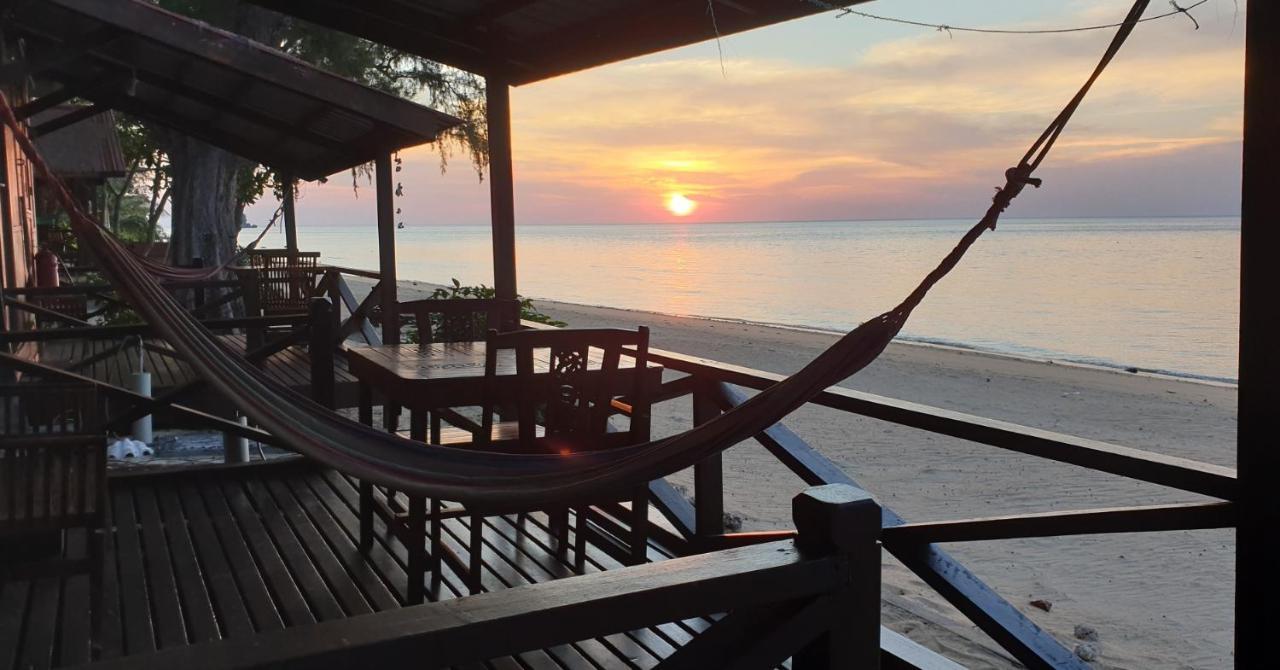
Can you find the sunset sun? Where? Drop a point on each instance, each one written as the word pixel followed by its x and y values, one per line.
pixel 679 205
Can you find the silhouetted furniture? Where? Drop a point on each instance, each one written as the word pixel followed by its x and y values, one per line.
pixel 564 386
pixel 451 320
pixel 459 319
pixel 53 479
pixel 285 282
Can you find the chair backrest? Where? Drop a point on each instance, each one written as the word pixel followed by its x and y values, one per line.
pixel 286 289
pixel 459 319
pixel 281 258
pixel 572 382
pixel 53 459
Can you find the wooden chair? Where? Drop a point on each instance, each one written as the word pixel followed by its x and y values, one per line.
pixel 441 321
pixel 459 319
pixel 565 405
pixel 285 283
pixel 53 478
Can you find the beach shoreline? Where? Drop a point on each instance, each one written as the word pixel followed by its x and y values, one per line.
pixel 1156 599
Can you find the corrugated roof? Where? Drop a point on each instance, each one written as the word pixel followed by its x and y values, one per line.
pixel 87 149
pixel 217 86
pixel 523 41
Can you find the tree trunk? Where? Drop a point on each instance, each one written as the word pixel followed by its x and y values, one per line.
pixel 203 202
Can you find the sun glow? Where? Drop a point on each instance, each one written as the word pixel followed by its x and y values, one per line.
pixel 679 205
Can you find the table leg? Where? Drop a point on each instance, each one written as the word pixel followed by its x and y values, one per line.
pixel 417 546
pixel 366 404
pixel 366 516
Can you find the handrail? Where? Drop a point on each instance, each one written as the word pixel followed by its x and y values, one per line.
pixel 1180 473
pixel 114 332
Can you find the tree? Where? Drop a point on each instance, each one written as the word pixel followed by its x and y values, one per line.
pixel 208 188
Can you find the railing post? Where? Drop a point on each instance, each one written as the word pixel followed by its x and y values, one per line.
pixel 708 476
pixel 845 520
pixel 254 337
pixel 321 350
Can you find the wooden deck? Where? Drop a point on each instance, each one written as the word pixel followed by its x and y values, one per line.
pixel 291 366
pixel 227 553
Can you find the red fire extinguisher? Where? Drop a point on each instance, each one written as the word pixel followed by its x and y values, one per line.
pixel 47 268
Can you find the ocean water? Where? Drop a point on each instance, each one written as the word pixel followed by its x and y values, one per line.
pixel 1156 294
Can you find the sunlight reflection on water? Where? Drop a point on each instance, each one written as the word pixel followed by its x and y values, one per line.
pixel 1154 293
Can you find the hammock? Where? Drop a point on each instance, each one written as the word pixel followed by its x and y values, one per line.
pixel 166 272
pixel 497 483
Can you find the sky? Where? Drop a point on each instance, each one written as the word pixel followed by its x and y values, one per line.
pixel 849 118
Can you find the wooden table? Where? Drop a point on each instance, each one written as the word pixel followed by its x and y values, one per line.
pixel 423 378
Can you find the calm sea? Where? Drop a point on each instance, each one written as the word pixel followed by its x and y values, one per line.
pixel 1157 294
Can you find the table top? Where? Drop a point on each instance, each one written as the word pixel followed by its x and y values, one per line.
pixel 454 360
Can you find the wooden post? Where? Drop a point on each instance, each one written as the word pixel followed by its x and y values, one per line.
pixel 1257 580
pixel 321 352
pixel 501 189
pixel 250 288
pixel 708 476
pixel 387 251
pixel 843 519
pixel 290 220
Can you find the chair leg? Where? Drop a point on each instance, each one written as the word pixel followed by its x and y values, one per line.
pixel 437 547
pixel 417 541
pixel 580 540
pixel 435 428
pixel 366 516
pixel 560 528
pixel 640 526
pixel 97 566
pixel 476 564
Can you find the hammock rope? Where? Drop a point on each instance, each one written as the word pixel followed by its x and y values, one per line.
pixel 496 483
pixel 164 271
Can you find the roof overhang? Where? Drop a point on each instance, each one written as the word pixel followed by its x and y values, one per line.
pixel 522 41
pixel 214 85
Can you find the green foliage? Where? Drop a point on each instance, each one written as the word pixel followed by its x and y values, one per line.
pixel 528 311
pixel 441 87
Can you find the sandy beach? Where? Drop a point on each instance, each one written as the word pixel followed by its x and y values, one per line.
pixel 1154 600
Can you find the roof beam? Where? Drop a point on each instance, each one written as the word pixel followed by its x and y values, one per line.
pixel 65 93
pixel 397 25
pixel 12 74
pixel 68 119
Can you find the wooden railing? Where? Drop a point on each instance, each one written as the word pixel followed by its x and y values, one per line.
pixel 814 599
pixel 714 387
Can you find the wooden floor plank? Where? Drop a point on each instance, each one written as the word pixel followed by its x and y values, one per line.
pixel 74 626
pixel 139 634
pixel 335 575
pixel 231 553
pixel 372 587
pixel 286 593
pixel 110 637
pixel 248 574
pixel 161 584
pixel 306 574
pixel 381 557
pixel 197 603
pixel 41 625
pixel 13 610
pixel 230 615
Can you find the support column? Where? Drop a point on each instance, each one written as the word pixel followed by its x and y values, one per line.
pixel 501 188
pixel 387 251
pixel 1257 581
pixel 290 220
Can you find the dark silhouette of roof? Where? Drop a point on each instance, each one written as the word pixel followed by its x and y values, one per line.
pixel 87 149
pixel 217 86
